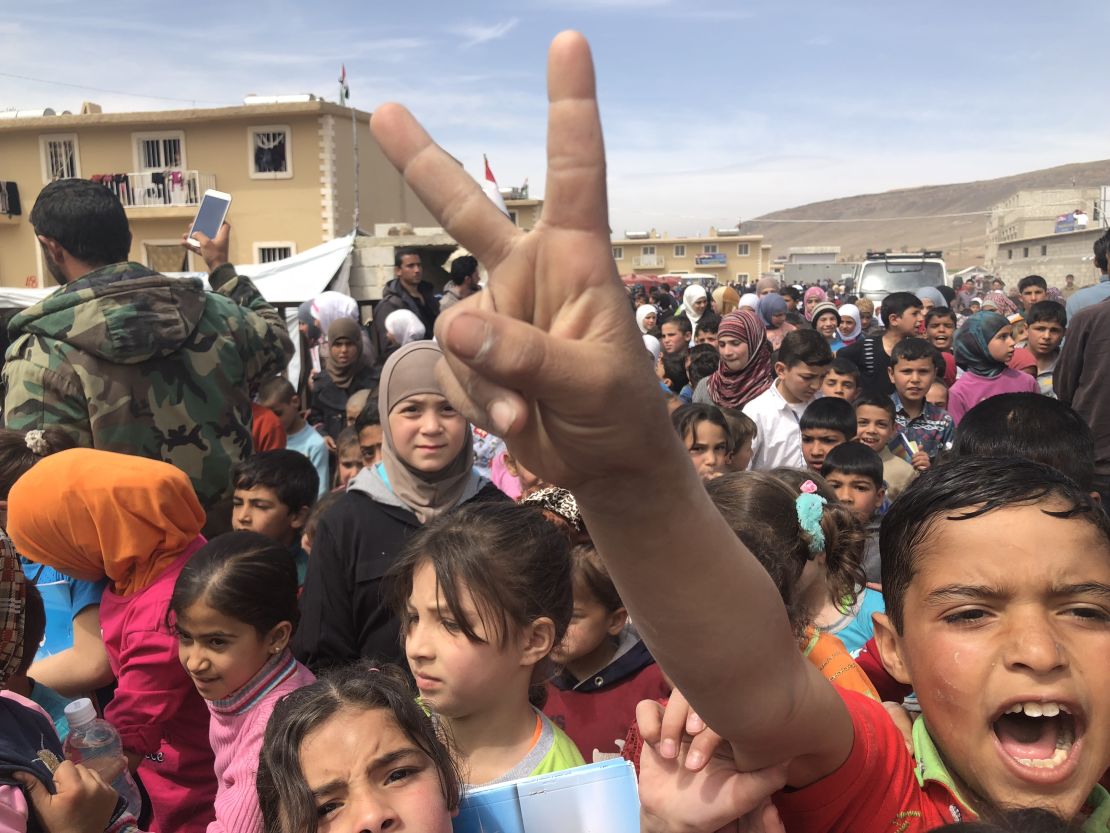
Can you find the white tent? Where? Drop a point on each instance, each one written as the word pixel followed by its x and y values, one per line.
pixel 286 283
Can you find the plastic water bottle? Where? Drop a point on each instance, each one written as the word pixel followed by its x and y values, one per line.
pixel 91 740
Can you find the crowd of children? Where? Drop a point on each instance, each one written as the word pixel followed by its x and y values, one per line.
pixel 492 558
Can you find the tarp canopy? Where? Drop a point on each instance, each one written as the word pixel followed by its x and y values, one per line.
pixel 290 281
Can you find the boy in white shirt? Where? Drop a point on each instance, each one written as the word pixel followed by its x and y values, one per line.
pixel 803 361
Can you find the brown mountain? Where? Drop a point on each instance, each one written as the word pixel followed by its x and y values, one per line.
pixel 961 238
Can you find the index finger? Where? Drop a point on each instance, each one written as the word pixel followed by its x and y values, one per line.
pixel 443 186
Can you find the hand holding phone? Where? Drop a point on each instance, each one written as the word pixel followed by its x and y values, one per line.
pixel 214 250
pixel 211 214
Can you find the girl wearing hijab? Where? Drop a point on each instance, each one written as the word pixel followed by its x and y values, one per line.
pixel 694 302
pixel 647 316
pixel 95 515
pixel 813 296
pixel 725 300
pixel 998 302
pixel 344 373
pixel 745 369
pixel 749 301
pixel 930 298
pixel 850 326
pixel 826 320
pixel 427 469
pixel 772 309
pixel 984 348
pixel 403 326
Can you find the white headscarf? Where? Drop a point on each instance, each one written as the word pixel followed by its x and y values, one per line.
pixel 329 306
pixel 404 326
pixel 653 346
pixel 694 293
pixel 851 311
pixel 642 312
pixel 750 300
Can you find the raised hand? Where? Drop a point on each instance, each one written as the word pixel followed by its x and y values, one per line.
pixel 549 357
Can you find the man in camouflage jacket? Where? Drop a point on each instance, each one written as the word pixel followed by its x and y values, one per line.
pixel 125 359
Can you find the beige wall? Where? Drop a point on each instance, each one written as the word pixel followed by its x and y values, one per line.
pixel 312 206
pixel 1064 253
pixel 527 212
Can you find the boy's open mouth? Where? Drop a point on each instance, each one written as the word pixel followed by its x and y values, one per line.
pixel 1038 735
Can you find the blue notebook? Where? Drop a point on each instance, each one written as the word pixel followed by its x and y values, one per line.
pixel 596 798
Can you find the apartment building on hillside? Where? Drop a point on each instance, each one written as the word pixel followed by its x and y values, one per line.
pixel 288 164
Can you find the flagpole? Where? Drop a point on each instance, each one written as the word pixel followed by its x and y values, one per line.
pixel 345 95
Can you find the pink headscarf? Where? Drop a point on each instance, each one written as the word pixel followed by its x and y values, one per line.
pixel 813 292
pixel 735 388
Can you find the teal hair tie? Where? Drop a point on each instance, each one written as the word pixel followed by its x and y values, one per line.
pixel 811 507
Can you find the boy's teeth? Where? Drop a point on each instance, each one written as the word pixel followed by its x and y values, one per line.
pixel 1033 709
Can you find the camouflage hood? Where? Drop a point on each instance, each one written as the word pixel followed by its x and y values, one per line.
pixel 123 313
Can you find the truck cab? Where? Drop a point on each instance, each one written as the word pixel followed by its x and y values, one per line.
pixel 882 273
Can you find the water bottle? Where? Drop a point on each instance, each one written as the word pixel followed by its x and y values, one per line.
pixel 92 740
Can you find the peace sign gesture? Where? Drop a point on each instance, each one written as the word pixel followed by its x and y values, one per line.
pixel 549 356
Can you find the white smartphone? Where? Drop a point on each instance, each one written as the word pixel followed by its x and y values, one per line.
pixel 210 215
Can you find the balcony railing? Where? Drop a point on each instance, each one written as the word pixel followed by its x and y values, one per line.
pixel 157 188
pixel 648 262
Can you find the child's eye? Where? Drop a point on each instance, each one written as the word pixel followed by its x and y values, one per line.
pixel 965 617
pixel 401 774
pixel 217 643
pixel 326 808
pixel 450 626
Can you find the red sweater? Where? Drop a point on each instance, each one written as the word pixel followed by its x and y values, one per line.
pixel 156 708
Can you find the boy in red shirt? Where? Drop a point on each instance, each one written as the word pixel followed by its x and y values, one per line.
pixel 1005 646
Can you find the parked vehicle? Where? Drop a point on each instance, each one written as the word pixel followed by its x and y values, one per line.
pixel 885 272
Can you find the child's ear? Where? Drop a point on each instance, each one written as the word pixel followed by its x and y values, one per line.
pixel 295 402
pixel 617 620
pixel 780 368
pixel 278 637
pixel 539 640
pixel 890 648
pixel 299 518
pixel 881 494
pixel 890 372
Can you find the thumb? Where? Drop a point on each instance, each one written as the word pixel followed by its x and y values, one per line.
pixel 201 237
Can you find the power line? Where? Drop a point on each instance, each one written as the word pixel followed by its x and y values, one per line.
pixel 192 101
pixel 921 217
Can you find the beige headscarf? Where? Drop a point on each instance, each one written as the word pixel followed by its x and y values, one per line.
pixel 409 372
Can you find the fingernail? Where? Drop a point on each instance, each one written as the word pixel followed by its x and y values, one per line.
pixel 468 336
pixel 667 749
pixel 502 415
pixel 695 759
pixel 695 724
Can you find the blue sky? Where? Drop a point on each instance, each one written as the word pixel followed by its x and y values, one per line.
pixel 714 111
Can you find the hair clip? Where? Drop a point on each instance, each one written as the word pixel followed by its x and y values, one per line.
pixel 810 508
pixel 809 488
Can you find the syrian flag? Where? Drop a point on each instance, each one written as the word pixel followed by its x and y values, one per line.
pixel 491 189
pixel 344 90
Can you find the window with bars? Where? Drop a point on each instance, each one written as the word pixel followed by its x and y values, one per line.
pixel 59 157
pixel 742 249
pixel 160 151
pixel 271 254
pixel 647 250
pixel 618 253
pixel 270 152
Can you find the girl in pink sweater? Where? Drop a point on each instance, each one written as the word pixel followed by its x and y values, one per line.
pixel 235 609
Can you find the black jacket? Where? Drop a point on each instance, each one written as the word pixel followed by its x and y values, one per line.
pixel 394 297
pixel 345 611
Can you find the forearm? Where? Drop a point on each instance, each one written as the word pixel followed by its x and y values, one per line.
pixel 694 592
pixel 73 673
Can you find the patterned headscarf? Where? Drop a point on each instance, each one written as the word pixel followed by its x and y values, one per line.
pixel 13 609
pixel 972 344
pixel 735 388
pixel 999 303
pixel 558 501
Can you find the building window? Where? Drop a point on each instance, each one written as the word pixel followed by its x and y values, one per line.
pixel 512 216
pixel 743 277
pixel 709 249
pixel 647 250
pixel 742 249
pixel 164 256
pixel 271 252
pixel 1009 254
pixel 159 151
pixel 680 251
pixel 270 152
pixel 59 157
pixel 618 253
pixel 1044 251
pixel 1025 251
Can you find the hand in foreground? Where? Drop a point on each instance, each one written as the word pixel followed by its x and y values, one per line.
pixel 920 461
pixel 82 803
pixel 716 797
pixel 549 356
pixel 213 249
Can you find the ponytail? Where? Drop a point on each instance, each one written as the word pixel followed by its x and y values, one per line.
pixel 19 451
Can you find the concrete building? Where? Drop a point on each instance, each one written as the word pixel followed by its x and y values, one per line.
pixel 1047 232
pixel 524 211
pixel 730 256
pixel 288 164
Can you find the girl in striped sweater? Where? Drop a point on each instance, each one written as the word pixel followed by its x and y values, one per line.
pixel 235 609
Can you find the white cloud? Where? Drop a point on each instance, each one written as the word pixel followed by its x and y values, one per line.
pixel 474 34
